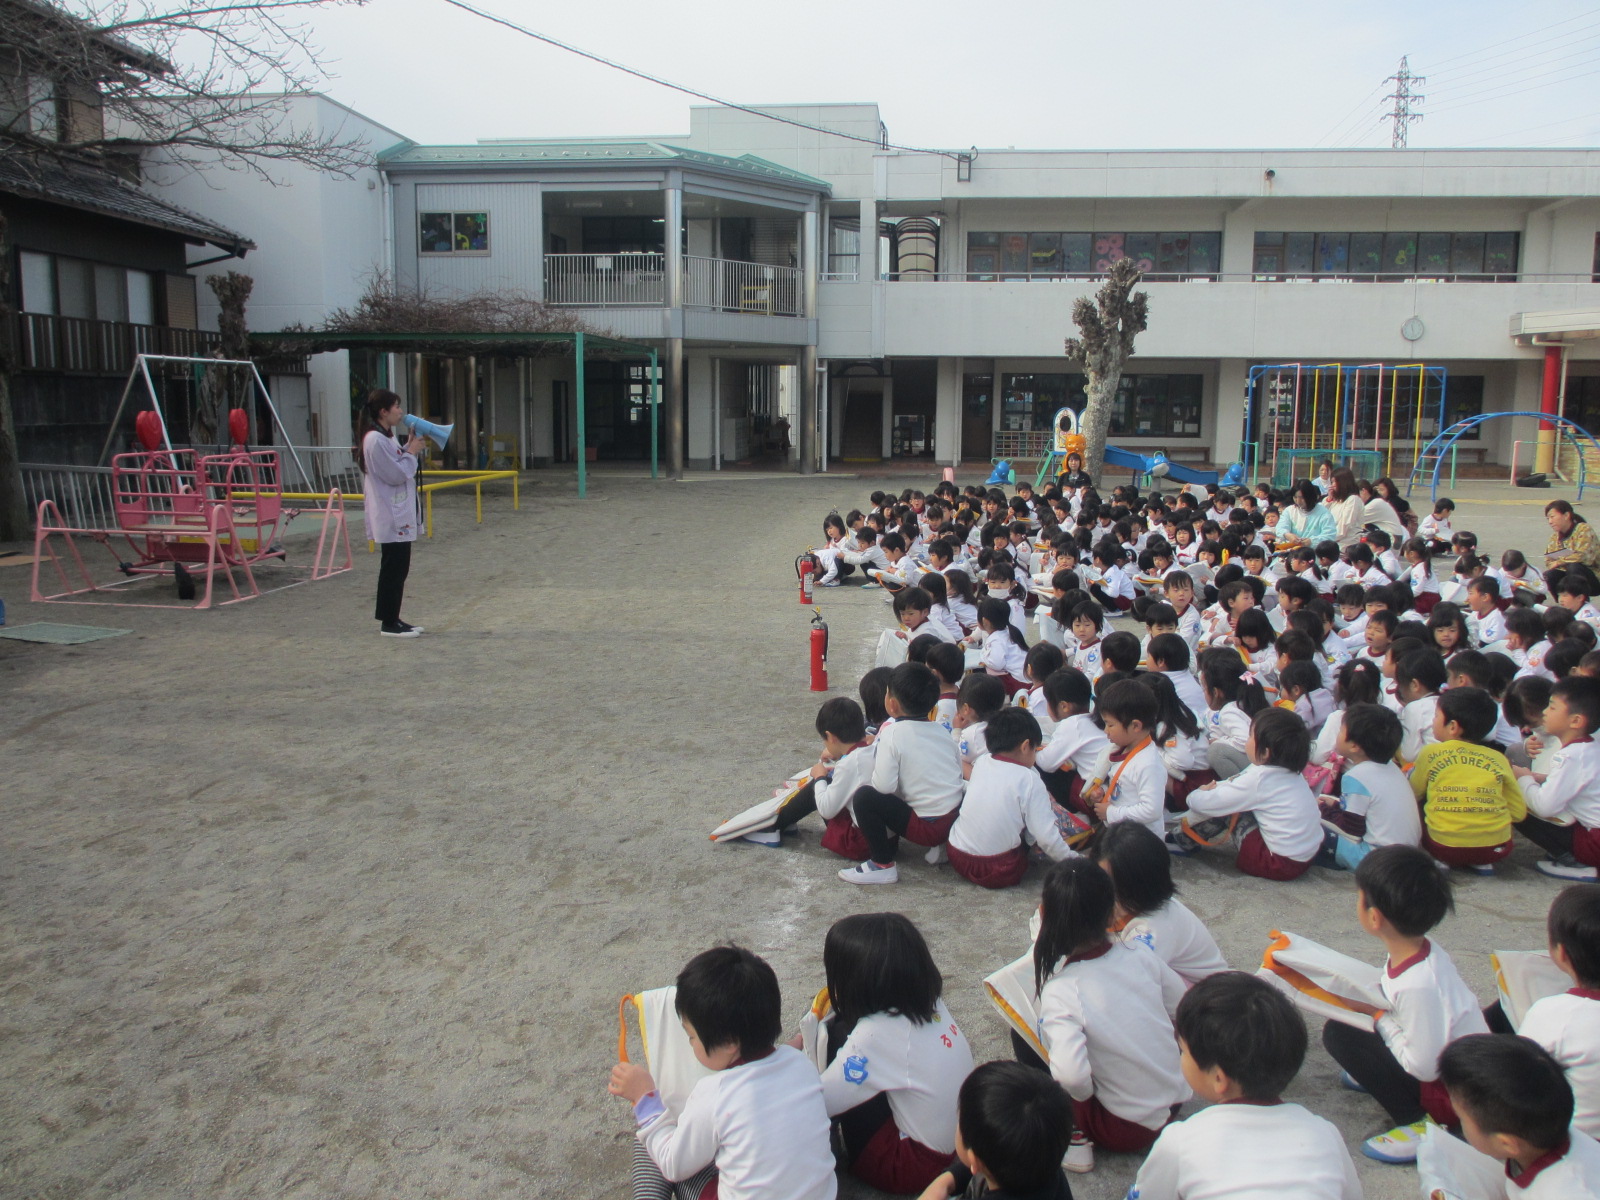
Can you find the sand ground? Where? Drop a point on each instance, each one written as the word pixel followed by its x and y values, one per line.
pixel 287 909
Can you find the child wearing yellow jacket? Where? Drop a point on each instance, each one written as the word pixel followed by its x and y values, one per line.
pixel 1470 798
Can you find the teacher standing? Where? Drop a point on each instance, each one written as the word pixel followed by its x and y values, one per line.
pixel 389 483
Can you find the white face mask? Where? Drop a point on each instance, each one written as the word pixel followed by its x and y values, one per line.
pixel 1000 592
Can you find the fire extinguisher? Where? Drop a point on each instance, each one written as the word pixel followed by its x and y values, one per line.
pixel 819 652
pixel 807 567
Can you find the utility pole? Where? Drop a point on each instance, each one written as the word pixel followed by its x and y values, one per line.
pixel 1403 98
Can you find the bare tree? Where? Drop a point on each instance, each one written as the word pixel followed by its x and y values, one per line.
pixel 1107 326
pixel 225 387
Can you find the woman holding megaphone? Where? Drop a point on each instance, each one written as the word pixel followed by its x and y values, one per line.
pixel 389 483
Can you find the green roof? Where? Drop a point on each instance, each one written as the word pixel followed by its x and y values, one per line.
pixel 538 154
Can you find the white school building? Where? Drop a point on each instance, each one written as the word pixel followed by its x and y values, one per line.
pixel 822 301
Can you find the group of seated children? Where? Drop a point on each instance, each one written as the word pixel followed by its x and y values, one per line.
pixel 884 1086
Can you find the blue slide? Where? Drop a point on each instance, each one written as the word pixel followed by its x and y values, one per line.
pixel 1148 465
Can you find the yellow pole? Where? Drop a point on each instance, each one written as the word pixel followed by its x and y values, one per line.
pixel 478 489
pixel 516 493
pixel 1316 395
pixel 1338 406
pixel 1416 437
pixel 1394 399
pixel 430 514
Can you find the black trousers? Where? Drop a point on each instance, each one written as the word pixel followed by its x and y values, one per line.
pixel 1374 1066
pixel 393 567
pixel 882 818
pixel 1554 576
pixel 1555 840
pixel 798 809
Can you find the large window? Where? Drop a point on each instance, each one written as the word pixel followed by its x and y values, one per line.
pixel 55 285
pixel 844 246
pixel 453 233
pixel 1087 255
pixel 1146 406
pixel 1479 257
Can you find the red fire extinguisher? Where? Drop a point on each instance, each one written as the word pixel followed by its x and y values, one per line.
pixel 819 652
pixel 807 567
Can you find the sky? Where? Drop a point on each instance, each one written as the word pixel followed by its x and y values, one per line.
pixel 1023 73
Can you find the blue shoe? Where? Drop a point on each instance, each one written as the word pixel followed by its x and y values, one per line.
pixel 1483 870
pixel 1178 846
pixel 1348 1082
pixel 1399 1145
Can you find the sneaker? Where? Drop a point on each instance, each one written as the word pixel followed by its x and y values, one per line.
pixel 413 628
pixel 1483 870
pixel 937 856
pixel 870 872
pixel 1343 833
pixel 1399 1145
pixel 1080 1155
pixel 1443 866
pixel 1179 846
pixel 830 583
pixel 395 629
pixel 1348 1082
pixel 1565 867
pixel 763 837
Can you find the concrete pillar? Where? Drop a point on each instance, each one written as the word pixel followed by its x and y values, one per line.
pixel 672 370
pixel 888 417
pixel 673 214
pixel 535 282
pixel 806 383
pixel 1228 411
pixel 947 412
pixel 699 389
pixel 869 240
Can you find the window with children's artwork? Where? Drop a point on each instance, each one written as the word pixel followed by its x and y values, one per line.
pixel 1167 406
pixel 1385 257
pixel 1161 256
pixel 453 233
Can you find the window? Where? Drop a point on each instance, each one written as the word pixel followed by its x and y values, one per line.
pixel 38 282
pixel 453 233
pixel 844 245
pixel 1595 277
pixel 1382 257
pixel 1146 406
pixel 1055 255
pixel 74 287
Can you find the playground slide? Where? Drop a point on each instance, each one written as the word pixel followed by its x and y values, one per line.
pixel 1118 457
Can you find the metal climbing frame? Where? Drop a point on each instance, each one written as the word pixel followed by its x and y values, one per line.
pixel 1432 457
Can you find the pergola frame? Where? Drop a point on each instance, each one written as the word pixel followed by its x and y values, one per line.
pixel 504 345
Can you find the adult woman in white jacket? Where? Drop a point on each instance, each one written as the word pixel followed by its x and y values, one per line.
pixel 1379 513
pixel 389 483
pixel 1344 502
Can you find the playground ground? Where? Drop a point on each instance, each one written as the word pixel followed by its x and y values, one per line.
pixel 290 910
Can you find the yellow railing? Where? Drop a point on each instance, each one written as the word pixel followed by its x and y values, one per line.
pixel 453 479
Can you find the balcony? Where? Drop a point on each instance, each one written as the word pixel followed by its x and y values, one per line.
pixel 638 280
pixel 81 346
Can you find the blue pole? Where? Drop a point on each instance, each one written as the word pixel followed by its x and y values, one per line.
pixel 655 409
pixel 583 450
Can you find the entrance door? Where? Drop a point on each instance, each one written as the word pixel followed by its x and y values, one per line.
pixel 977 417
pixel 862 437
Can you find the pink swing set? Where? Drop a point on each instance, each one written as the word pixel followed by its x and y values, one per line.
pixel 189 517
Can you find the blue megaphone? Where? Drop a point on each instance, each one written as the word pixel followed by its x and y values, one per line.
pixel 437 434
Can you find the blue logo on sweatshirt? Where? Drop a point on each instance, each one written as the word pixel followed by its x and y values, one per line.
pixel 855 1069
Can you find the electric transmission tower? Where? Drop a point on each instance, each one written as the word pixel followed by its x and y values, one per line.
pixel 1403 98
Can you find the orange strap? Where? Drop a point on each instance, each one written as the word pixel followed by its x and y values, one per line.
pixel 1112 786
pixel 622 1029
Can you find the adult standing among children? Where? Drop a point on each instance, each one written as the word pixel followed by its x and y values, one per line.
pixel 1573 546
pixel 1344 502
pixel 1306 520
pixel 1073 475
pixel 389 483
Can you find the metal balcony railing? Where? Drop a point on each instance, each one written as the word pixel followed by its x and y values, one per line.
pixel 638 280
pixel 728 285
pixel 75 344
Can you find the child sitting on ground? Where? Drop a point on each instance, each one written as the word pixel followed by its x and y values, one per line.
pixel 1469 797
pixel 916 783
pixel 1120 654
pixel 1571 789
pixel 1233 696
pixel 948 663
pixel 1516 1106
pixel 1179 738
pixel 1130 779
pixel 1068 760
pixel 1087 619
pixel 1148 910
pixel 1375 806
pixel 1435 530
pixel 1005 806
pixel 896 1058
pixel 1300 686
pixel 1014 1125
pixel 912 608
pixel 845 765
pixel 757 1118
pixel 1526 643
pixel 1568 1024
pixel 1043 661
pixel 1179 589
pixel 1005 650
pixel 1400 896
pixel 1105 1012
pixel 1170 656
pixel 1288 831
pixel 1418 679
pixel 978 699
pixel 1241 1044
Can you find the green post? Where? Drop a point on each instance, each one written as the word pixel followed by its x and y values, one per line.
pixel 583 449
pixel 655 409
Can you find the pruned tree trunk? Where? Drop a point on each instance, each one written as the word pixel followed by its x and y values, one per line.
pixel 225 387
pixel 15 520
pixel 1107 326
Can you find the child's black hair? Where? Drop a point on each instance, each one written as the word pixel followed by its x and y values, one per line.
pixel 1296 646
pixel 1302 677
pixel 1088 610
pixel 1563 658
pixel 1171 650
pixel 916 689
pixel 1282 739
pixel 1069 686
pixel 1173 716
pixel 1246 1027
pixel 1527 625
pixel 1556 622
pixel 879 963
pixel 1446 615
pixel 1256 625
pixel 1526 699
pixel 1509 1085
pixel 731 997
pixel 1352 594
pixel 998 614
pixel 1223 671
pixel 1017 1120
pixel 1423 667
pixel 1471 708
pixel 1139 864
pixel 1127 701
pixel 1009 728
pixel 934 583
pixel 874 686
pixel 1359 681
pixel 1376 729
pixel 948 661
pixel 1075 907
pixel 1160 613
pixel 1177 580
pixel 1472 666
pixel 1582 695
pixel 1415 630
pixel 1308 623
pixel 1487 586
pixel 1574 925
pixel 1043 661
pixel 1403 884
pixel 984 694
pixel 918 648
pixel 842 717
pixel 1574 584
pixel 1121 651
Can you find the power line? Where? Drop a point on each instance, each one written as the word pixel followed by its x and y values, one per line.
pixel 1550 45
pixel 1544 60
pixel 1502 76
pixel 1345 120
pixel 1468 102
pixel 1531 129
pixel 1500 45
pixel 1403 98
pixel 881 143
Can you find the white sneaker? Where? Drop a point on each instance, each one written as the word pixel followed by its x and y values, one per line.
pixel 1399 1145
pixel 936 856
pixel 1080 1155
pixel 1565 867
pixel 764 837
pixel 398 630
pixel 870 872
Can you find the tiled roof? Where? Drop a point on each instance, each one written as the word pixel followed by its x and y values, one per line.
pixel 92 190
pixel 591 154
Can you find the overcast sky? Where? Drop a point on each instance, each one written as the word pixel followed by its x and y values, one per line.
pixel 1026 73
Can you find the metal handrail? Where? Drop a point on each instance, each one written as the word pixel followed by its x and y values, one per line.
pixel 46 342
pixel 632 279
pixel 1252 277
pixel 731 285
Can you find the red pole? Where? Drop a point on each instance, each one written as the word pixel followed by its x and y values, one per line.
pixel 1549 400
